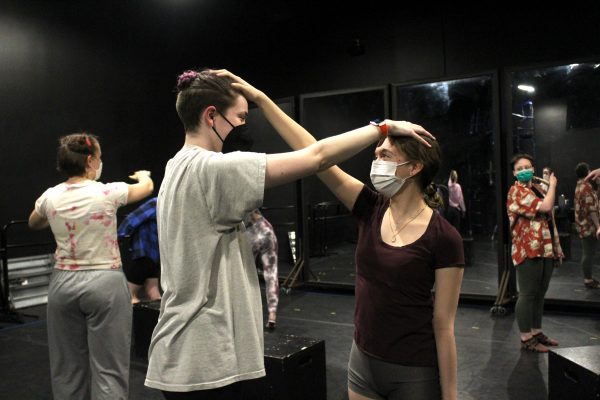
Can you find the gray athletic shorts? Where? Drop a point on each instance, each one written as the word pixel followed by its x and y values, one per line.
pixel 378 379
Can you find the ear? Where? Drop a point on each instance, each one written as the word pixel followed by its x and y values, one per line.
pixel 415 168
pixel 208 115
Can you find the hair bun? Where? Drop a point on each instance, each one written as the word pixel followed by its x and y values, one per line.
pixel 431 188
pixel 186 79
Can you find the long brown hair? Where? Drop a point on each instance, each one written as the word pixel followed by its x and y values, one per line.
pixel 430 157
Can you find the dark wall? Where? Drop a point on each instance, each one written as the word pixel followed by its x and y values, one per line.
pixel 110 67
pixel 56 80
pixel 563 148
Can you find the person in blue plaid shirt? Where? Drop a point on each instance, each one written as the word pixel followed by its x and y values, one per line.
pixel 144 268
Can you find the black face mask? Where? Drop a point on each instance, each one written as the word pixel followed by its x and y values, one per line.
pixel 238 139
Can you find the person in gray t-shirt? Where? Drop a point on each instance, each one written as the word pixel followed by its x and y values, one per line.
pixel 209 334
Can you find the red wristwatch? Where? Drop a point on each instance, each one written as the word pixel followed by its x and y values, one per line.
pixel 383 128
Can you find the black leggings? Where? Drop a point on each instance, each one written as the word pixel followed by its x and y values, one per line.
pixel 138 270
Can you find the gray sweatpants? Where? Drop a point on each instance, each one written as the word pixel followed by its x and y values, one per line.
pixel 89 334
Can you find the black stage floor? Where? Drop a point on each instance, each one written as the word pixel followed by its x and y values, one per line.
pixel 491 365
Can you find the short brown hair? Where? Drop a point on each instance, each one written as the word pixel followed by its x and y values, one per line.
pixel 73 151
pixel 200 89
pixel 517 157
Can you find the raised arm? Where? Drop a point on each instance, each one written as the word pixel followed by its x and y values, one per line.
pixel 548 202
pixel 327 153
pixel 318 156
pixel 142 189
pixel 344 186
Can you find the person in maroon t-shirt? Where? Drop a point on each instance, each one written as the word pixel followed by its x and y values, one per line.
pixel 404 344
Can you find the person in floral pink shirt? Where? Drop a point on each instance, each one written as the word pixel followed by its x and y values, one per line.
pixel 533 250
pixel 89 310
pixel 586 220
pixel 456 206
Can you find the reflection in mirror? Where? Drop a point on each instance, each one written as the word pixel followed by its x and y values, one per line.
pixel 459 114
pixel 332 231
pixel 556 119
pixel 279 205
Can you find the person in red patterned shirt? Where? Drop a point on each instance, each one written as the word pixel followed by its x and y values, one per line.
pixel 586 220
pixel 533 250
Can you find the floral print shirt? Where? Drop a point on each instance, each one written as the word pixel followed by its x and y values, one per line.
pixel 529 228
pixel 586 202
pixel 83 219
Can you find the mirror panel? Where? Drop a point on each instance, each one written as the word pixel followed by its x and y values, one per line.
pixel 459 113
pixel 332 231
pixel 280 203
pixel 556 118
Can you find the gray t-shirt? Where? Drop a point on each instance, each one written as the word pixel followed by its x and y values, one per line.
pixel 209 332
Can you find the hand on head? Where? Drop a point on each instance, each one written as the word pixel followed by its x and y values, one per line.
pixel 138 174
pixel 250 92
pixel 595 174
pixel 408 129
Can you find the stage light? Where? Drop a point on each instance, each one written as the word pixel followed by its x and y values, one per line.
pixel 526 88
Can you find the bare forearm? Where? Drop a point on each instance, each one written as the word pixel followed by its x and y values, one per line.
pixel 287 167
pixel 447 364
pixel 143 188
pixel 335 149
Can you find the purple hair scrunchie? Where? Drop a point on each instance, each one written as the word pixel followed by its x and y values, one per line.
pixel 186 79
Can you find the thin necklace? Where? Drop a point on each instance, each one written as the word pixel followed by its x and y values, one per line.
pixel 394 235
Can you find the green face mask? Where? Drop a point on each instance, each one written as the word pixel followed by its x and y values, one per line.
pixel 525 175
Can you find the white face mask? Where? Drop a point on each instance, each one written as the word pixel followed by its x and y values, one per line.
pixel 383 177
pixel 98 172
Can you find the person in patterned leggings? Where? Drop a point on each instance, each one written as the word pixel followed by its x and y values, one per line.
pixel 264 244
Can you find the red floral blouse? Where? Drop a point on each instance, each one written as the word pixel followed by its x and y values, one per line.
pixel 586 202
pixel 528 228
